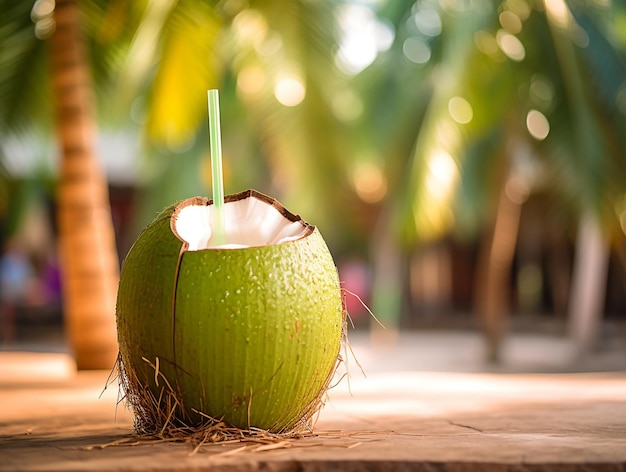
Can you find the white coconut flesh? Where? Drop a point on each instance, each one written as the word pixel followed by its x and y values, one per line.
pixel 249 222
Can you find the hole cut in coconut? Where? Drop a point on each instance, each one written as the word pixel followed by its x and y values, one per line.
pixel 251 219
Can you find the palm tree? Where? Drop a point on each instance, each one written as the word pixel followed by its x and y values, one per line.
pixel 295 150
pixel 87 248
pixel 174 51
pixel 497 63
pixel 596 149
pixel 488 70
pixel 413 126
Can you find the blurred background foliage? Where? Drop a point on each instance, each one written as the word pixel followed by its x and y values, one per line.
pixel 391 125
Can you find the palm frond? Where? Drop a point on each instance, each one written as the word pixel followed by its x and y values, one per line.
pixel 605 57
pixel 590 162
pixel 434 174
pixel 24 95
pixel 188 67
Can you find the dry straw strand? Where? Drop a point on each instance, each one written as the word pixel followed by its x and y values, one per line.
pixel 163 417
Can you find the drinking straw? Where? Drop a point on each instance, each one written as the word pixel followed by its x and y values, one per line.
pixel 219 220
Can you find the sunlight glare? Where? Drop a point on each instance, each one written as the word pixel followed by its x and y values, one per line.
pixel 271 47
pixel 511 46
pixel 289 91
pixel 416 50
pixel 487 44
pixel 250 81
pixel 363 36
pixel 558 13
pixel 517 189
pixel 537 124
pixel 442 172
pixel 42 14
pixel 428 22
pixel 510 22
pixel 520 7
pixel 579 36
pixel 42 9
pixel 541 90
pixel 250 26
pixel 460 110
pixel 369 182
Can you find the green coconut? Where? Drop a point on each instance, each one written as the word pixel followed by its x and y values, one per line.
pixel 247 333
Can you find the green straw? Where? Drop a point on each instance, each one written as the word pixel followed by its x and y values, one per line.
pixel 219 221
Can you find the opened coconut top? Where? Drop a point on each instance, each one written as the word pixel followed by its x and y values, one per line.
pixel 251 219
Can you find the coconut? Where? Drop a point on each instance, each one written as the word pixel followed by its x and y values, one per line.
pixel 247 332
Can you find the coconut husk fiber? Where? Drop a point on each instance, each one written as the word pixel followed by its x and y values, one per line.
pixel 164 417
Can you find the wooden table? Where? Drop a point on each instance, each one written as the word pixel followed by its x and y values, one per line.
pixel 53 419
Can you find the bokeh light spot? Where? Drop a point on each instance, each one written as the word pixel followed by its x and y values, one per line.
pixel 251 81
pixel 416 50
pixel 289 91
pixel 428 22
pixel 510 22
pixel 537 124
pixel 370 183
pixel 460 110
pixel 511 46
pixel 442 172
pixel 541 90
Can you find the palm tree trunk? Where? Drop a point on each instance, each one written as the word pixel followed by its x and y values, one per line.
pixel 588 286
pixel 494 270
pixel 87 249
pixel 388 284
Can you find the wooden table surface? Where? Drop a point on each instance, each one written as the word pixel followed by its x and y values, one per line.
pixel 54 419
